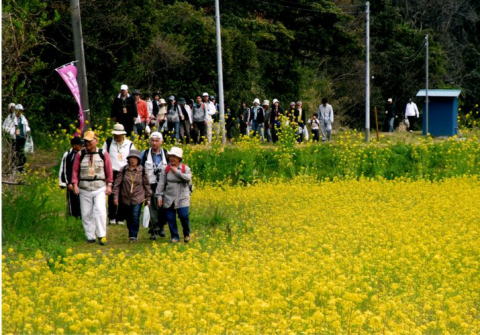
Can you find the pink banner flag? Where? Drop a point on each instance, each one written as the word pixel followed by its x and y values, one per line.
pixel 69 74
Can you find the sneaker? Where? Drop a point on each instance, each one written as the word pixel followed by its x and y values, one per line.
pixel 121 222
pixel 102 240
pixel 186 239
pixel 132 239
pixel 91 241
pixel 175 240
pixel 112 221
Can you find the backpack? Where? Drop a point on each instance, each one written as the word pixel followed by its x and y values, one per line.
pixel 183 168
pixel 99 152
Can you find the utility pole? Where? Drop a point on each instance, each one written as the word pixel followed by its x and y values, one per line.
pixel 367 73
pixel 80 57
pixel 426 84
pixel 220 71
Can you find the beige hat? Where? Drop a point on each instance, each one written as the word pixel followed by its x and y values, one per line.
pixel 123 87
pixel 19 107
pixel 176 151
pixel 275 100
pixel 266 103
pixel 162 101
pixel 118 129
pixel 89 135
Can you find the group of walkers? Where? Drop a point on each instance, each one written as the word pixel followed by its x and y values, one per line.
pixel 393 118
pixel 195 120
pixel 154 178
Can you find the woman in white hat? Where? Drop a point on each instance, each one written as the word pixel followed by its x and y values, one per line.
pixel 173 193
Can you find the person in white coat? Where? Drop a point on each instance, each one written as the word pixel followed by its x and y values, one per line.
pixel 211 111
pixel 118 148
pixel 325 114
pixel 411 114
pixel 186 120
pixel 16 126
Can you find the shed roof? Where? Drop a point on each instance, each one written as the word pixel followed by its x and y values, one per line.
pixel 454 93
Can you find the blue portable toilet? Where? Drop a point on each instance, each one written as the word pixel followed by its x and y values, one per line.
pixel 442 112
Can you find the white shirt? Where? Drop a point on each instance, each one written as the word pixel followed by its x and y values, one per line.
pixel 211 110
pixel 118 153
pixel 411 109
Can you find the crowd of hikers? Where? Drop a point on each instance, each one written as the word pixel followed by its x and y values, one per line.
pixel 195 120
pixel 155 178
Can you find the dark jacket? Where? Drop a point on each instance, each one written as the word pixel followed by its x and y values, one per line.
pixel 275 114
pixel 391 110
pixel 118 110
pixel 260 115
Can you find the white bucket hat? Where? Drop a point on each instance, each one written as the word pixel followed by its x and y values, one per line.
pixel 256 100
pixel 176 151
pixel 118 129
pixel 156 134
pixel 123 87
pixel 162 101
pixel 205 94
pixel 275 100
pixel 266 103
pixel 19 107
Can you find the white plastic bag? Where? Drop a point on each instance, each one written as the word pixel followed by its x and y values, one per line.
pixel 29 145
pixel 147 129
pixel 146 216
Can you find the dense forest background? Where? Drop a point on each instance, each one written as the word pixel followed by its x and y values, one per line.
pixel 285 49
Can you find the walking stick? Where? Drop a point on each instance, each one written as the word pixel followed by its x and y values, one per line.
pixel 376 121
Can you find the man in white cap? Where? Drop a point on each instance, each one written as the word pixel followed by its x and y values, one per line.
pixel 211 111
pixel 154 159
pixel 92 178
pixel 16 125
pixel 118 148
pixel 124 109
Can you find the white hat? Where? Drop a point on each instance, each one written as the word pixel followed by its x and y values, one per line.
pixel 275 100
pixel 162 101
pixel 176 151
pixel 205 94
pixel 390 100
pixel 256 100
pixel 156 134
pixel 266 103
pixel 11 105
pixel 118 129
pixel 19 107
pixel 123 87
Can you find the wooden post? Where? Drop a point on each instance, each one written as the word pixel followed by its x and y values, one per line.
pixel 376 121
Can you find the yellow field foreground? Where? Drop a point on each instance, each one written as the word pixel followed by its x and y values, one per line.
pixel 389 257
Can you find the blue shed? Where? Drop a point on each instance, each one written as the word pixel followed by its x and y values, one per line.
pixel 443 112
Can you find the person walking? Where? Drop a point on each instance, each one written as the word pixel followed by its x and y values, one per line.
pixel 325 113
pixel 257 118
pixel 411 114
pixel 154 160
pixel 173 194
pixel 199 120
pixel 211 111
pixel 275 116
pixel 16 126
pixel 92 179
pixel 186 121
pixel 315 125
pixel 390 116
pixel 244 115
pixel 143 118
pixel 161 118
pixel 118 148
pixel 173 118
pixel 65 176
pixel 124 109
pixel 299 117
pixel 266 123
pixel 130 190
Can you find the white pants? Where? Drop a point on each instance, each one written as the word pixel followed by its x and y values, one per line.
pixel 209 130
pixel 94 213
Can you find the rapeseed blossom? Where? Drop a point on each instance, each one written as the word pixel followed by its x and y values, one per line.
pixel 299 257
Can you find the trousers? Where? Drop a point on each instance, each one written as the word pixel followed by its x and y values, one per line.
pixel 94 213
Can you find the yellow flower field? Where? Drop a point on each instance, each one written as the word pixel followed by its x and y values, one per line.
pixel 341 257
